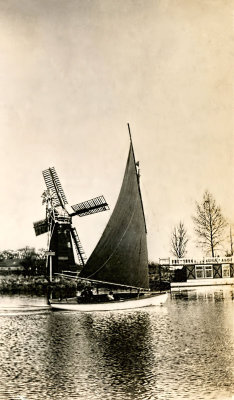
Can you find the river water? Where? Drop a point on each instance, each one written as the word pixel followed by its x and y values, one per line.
pixel 183 350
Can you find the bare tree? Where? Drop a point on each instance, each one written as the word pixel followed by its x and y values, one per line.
pixel 231 242
pixel 209 224
pixel 229 252
pixel 179 240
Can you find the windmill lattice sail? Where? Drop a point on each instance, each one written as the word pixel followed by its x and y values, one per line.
pixel 92 206
pixel 53 183
pixel 41 227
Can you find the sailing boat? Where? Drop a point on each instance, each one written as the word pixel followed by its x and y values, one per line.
pixel 116 274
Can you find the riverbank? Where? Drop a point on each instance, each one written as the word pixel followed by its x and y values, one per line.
pixel 38 285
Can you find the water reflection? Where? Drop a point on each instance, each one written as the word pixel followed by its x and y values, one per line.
pixel 180 351
pixel 112 350
pixel 219 293
pixel 124 349
pixel 202 323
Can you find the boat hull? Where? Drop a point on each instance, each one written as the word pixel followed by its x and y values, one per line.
pixel 153 300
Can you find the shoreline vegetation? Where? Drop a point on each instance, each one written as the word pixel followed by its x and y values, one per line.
pixel 36 285
pixel 29 276
pixel 25 272
pixel 16 283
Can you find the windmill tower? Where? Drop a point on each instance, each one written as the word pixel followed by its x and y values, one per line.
pixel 62 235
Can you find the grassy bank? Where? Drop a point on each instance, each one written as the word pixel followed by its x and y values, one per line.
pixel 39 285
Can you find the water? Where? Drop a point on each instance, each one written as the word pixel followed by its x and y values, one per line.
pixel 183 350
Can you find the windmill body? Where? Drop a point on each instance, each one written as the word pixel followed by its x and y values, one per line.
pixel 63 238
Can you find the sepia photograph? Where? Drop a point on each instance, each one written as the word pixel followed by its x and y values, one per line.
pixel 117 211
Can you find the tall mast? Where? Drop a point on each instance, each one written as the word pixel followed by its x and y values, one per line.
pixel 129 131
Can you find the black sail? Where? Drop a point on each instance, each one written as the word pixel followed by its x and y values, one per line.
pixel 121 254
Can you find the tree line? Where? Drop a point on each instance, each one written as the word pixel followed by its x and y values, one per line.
pixel 32 262
pixel 209 228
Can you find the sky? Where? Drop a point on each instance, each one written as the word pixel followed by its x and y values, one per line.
pixel 73 73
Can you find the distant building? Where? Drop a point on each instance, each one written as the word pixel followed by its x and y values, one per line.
pixel 14 254
pixel 200 272
pixel 9 266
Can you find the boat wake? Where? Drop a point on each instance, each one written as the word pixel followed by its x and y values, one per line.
pixel 23 310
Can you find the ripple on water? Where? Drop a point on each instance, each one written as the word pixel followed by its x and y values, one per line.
pixel 183 350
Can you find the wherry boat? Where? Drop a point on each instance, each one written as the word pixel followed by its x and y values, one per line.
pixel 115 277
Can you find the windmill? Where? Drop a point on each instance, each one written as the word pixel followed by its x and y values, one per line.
pixel 62 235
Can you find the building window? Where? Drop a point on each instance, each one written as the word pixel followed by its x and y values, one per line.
pixel 204 271
pixel 226 271
pixel 199 271
pixel 208 271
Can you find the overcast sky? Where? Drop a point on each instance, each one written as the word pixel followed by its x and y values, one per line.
pixel 73 73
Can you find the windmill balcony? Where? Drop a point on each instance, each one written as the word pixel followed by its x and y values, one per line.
pixel 63 219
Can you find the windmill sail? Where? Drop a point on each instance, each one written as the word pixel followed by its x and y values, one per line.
pixel 121 254
pixel 53 183
pixel 90 206
pixel 41 227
